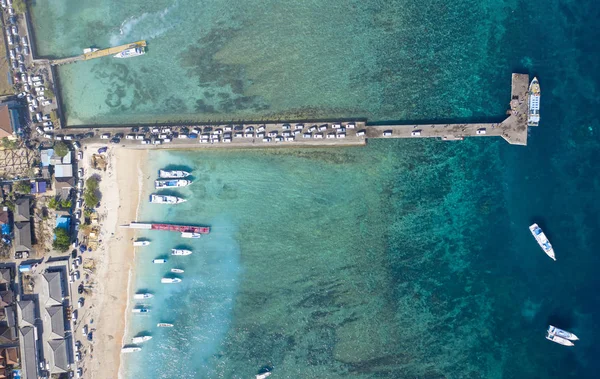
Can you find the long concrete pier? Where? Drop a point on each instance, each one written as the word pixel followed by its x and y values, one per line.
pixel 323 133
pixel 98 53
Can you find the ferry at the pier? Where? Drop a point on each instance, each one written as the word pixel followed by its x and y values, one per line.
pixel 170 280
pixel 141 339
pixel 170 228
pixel 131 349
pixel 534 103
pixel 142 296
pixel 541 239
pixel 559 340
pixel 562 333
pixel 141 243
pixel 164 325
pixel 171 183
pixel 165 199
pixel 129 53
pixel 173 174
pixel 180 252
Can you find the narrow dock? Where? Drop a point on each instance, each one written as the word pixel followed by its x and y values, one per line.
pixel 98 53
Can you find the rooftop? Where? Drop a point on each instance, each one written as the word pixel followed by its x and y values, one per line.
pixel 53 282
pixel 59 350
pixel 22 211
pixel 6 127
pixel 63 171
pixel 22 236
pixel 27 312
pixel 57 320
pixel 29 359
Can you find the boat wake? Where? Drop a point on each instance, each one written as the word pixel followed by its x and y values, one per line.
pixel 151 25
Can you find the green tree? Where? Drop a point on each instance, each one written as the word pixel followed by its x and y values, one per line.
pixel 8 144
pixel 61 149
pixel 19 6
pixel 62 241
pixel 49 93
pixel 23 187
pixel 91 196
pixel 53 203
pixel 65 204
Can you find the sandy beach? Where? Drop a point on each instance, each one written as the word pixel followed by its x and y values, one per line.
pixel 119 186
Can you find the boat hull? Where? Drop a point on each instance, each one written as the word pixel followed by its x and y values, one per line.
pixel 542 240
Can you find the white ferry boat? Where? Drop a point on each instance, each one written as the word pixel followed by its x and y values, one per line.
pixel 562 333
pixel 165 199
pixel 541 239
pixel 141 243
pixel 131 349
pixel 129 53
pixel 159 261
pixel 142 296
pixel 164 325
pixel 171 183
pixel 190 235
pixel 180 252
pixel 141 339
pixel 534 103
pixel 173 174
pixel 170 280
pixel 177 271
pixel 559 340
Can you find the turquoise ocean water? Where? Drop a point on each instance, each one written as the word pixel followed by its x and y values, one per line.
pixel 400 259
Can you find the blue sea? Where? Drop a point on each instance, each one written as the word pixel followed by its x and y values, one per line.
pixel 400 259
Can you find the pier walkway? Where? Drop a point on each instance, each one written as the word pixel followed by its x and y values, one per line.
pixel 325 133
pixel 98 53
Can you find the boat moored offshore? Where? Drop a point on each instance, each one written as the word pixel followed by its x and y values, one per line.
pixel 141 243
pixel 542 240
pixel 180 252
pixel 562 333
pixel 141 339
pixel 132 52
pixel 164 325
pixel 140 310
pixel 142 296
pixel 165 199
pixel 159 261
pixel 533 118
pixel 170 280
pixel 131 349
pixel 559 340
pixel 177 271
pixel 190 235
pixel 171 183
pixel 173 174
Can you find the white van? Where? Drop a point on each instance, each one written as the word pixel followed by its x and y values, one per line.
pixel 105 136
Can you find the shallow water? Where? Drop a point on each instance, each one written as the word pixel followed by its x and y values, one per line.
pixel 398 259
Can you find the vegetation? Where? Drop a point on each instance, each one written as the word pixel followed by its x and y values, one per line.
pixel 9 144
pixel 54 117
pixel 23 187
pixel 66 204
pixel 61 149
pixel 62 241
pixel 91 196
pixel 19 6
pixel 10 205
pixel 53 203
pixel 49 93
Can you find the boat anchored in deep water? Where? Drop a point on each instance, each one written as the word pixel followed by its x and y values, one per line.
pixel 542 240
pixel 132 52
pixel 165 199
pixel 559 340
pixel 173 174
pixel 533 118
pixel 171 183
pixel 562 333
pixel 164 325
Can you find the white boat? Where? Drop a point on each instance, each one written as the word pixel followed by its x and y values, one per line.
pixel 533 118
pixel 132 52
pixel 131 349
pixel 165 199
pixel 164 325
pixel 159 261
pixel 190 235
pixel 141 339
pixel 141 243
pixel 180 252
pixel 559 340
pixel 140 310
pixel 88 50
pixel 170 280
pixel 562 333
pixel 541 239
pixel 177 271
pixel 171 183
pixel 172 174
pixel 263 375
pixel 142 296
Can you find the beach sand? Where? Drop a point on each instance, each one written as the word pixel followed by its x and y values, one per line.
pixel 114 257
